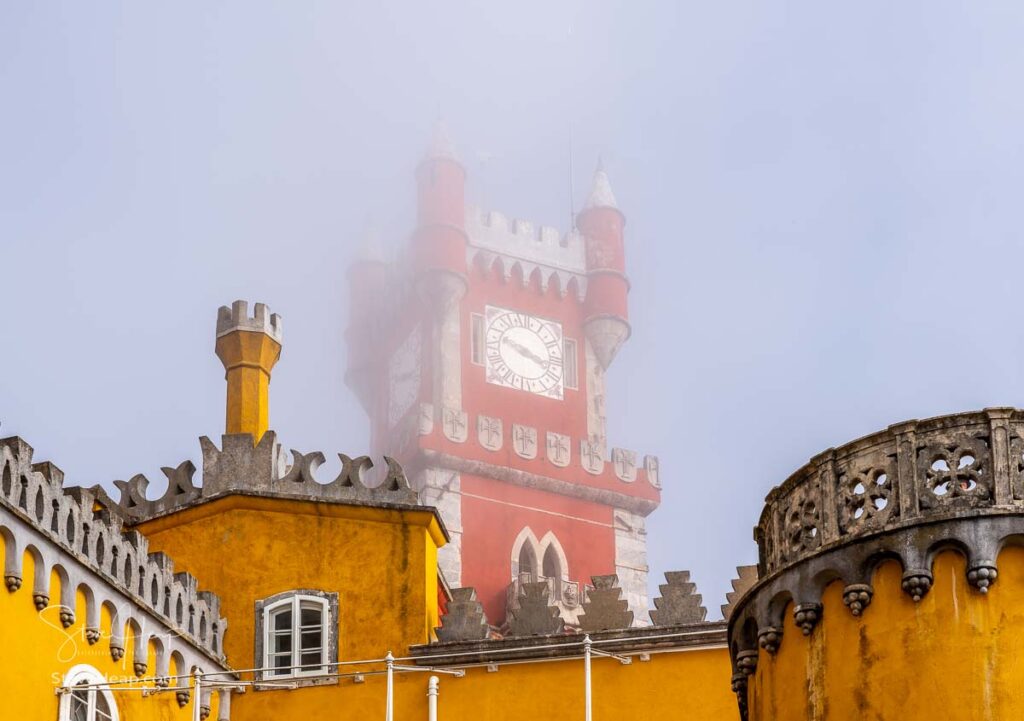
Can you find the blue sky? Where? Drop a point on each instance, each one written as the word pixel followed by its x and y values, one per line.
pixel 823 203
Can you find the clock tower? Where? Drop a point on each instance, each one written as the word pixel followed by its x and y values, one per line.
pixel 480 356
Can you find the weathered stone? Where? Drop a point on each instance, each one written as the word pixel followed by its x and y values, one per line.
pixel 745 579
pixel 535 614
pixel 464 619
pixel 857 597
pixel 679 602
pixel 605 608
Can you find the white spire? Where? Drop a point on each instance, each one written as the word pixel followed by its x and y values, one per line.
pixel 601 195
pixel 441 145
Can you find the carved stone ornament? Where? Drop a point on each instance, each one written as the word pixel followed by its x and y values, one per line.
pixel 559 449
pixel 41 601
pixel 769 639
pixel 67 618
pixel 464 619
pixel 605 608
pixel 679 602
pixel 981 575
pixel 140 668
pixel 182 697
pixel 524 441
pixel 455 425
pixel 92 636
pixel 917 582
pixel 746 661
pixel 204 712
pixel 534 615
pixel 591 456
pixel 12 582
pixel 806 616
pixel 625 464
pixel 425 419
pixel 653 468
pixel 857 597
pixel 116 652
pixel 489 432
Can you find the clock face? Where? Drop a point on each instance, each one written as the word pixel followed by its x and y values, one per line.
pixel 404 377
pixel 524 352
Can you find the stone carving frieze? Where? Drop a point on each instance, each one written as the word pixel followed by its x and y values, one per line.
pixel 455 425
pixel 524 441
pixel 559 449
pixel 489 432
pixel 591 456
pixel 624 462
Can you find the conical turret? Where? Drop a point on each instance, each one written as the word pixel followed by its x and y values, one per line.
pixel 602 224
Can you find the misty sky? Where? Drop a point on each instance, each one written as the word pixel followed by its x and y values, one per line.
pixel 823 202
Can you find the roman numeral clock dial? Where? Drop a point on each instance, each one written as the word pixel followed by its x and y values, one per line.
pixel 524 352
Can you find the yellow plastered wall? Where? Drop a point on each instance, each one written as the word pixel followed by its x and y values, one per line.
pixel 956 655
pixel 381 562
pixel 383 565
pixel 38 652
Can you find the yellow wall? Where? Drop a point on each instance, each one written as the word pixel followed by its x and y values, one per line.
pixel 956 655
pixel 382 563
pixel 38 652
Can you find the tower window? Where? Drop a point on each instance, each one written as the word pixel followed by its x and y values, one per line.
pixel 570 364
pixel 476 339
pixel 88 699
pixel 296 634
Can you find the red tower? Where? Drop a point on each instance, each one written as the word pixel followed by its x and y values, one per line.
pixel 480 357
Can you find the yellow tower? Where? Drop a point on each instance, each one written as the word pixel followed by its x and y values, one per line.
pixel 878 595
pixel 248 348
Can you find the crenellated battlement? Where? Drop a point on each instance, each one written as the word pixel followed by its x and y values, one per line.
pixel 69 531
pixel 237 318
pixel 521 240
pixel 265 470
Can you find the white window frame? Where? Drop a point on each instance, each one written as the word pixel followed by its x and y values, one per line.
pixel 477 339
pixel 295 603
pixel 86 674
pixel 567 366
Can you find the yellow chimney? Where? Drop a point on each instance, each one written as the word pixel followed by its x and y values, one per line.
pixel 248 348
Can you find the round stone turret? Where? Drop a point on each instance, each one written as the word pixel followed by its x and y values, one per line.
pixel 884 564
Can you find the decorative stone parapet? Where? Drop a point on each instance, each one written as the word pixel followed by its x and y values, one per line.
pixel 539 252
pixel 464 619
pixel 90 549
pixel 679 602
pixel 902 494
pixel 953 466
pixel 605 609
pixel 564 595
pixel 263 469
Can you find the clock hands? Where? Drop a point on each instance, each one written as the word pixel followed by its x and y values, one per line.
pixel 525 352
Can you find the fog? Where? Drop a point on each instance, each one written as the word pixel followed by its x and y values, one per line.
pixel 823 207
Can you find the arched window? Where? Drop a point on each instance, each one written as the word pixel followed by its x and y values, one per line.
pixel 527 563
pixel 297 634
pixel 85 700
pixel 552 563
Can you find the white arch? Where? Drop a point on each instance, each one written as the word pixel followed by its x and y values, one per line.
pixel 550 541
pixel 526 536
pixel 86 674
